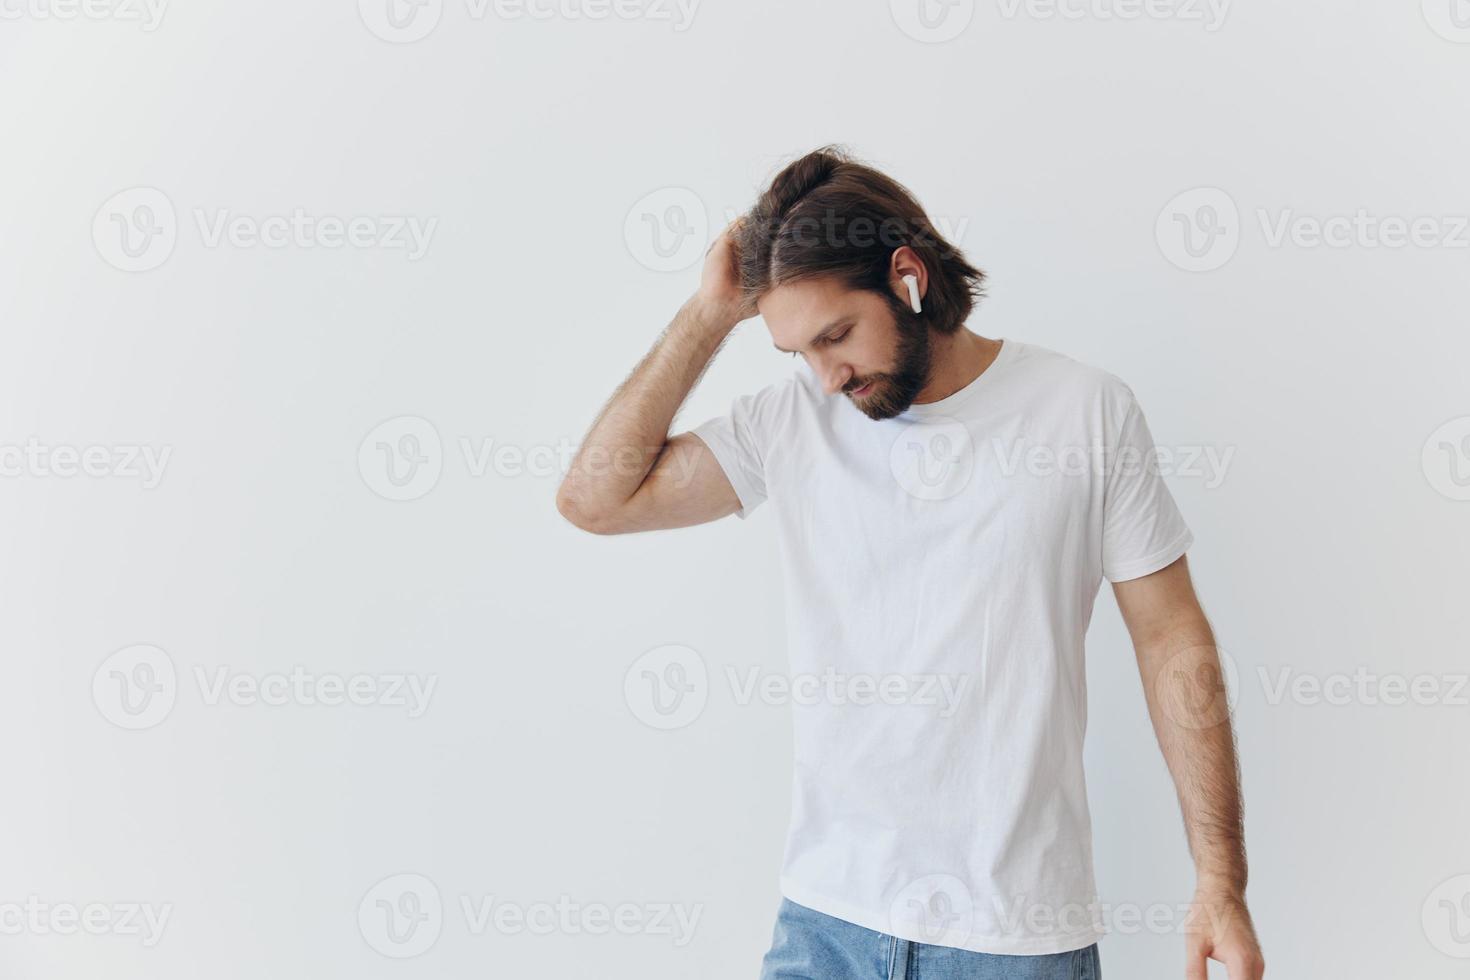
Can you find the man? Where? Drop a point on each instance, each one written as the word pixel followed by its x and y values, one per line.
pixel 948 507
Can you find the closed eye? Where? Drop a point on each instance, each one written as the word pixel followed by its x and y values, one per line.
pixel 822 341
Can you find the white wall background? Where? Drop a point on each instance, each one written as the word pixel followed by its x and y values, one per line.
pixel 1055 141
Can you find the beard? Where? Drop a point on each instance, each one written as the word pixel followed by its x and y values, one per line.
pixel 894 391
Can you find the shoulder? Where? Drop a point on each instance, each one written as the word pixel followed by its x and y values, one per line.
pixel 782 401
pixel 1071 381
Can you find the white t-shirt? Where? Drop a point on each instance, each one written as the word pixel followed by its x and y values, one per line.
pixel 941 568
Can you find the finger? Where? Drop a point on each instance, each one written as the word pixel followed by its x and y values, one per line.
pixel 1194 965
pixel 1243 965
pixel 727 235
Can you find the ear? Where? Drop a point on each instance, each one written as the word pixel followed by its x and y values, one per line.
pixel 906 262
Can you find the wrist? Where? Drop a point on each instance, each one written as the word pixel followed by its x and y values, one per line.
pixel 1219 888
pixel 711 316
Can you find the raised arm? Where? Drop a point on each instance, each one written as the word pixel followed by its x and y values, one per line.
pixel 629 474
pixel 1187 702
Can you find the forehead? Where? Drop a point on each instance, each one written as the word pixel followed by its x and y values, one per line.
pixel 796 312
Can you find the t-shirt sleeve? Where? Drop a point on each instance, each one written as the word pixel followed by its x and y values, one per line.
pixel 734 441
pixel 1143 530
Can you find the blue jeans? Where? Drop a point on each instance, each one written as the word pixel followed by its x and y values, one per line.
pixel 812 946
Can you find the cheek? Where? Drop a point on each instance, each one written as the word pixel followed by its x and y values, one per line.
pixel 872 357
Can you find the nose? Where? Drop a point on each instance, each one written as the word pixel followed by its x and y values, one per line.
pixel 833 376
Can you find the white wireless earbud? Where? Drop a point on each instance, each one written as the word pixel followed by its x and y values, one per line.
pixel 912 281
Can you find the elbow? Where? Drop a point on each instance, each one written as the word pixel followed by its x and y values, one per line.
pixel 580 515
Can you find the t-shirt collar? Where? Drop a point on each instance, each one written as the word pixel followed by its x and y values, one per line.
pixel 948 404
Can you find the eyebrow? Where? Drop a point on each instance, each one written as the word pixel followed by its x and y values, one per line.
pixel 829 328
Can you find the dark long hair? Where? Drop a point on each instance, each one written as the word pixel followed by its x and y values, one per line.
pixel 828 215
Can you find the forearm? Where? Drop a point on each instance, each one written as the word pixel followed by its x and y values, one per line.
pixel 630 432
pixel 1190 708
pixel 1190 711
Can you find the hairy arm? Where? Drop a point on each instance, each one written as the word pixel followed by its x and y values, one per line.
pixel 629 474
pixel 1187 702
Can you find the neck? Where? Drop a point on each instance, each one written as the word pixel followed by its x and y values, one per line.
pixel 956 360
